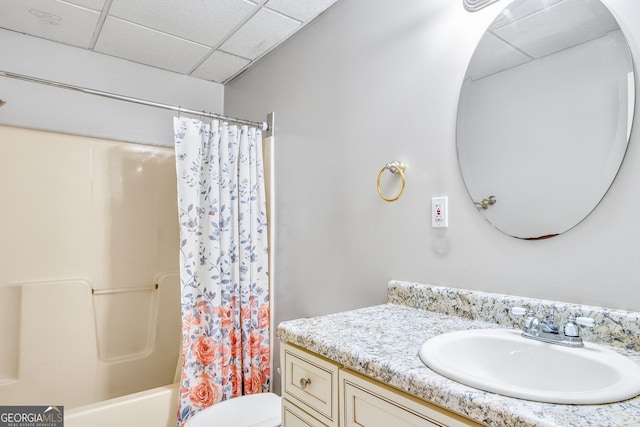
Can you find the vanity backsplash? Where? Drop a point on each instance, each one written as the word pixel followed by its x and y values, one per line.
pixel 617 328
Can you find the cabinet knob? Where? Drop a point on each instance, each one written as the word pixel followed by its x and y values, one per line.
pixel 304 382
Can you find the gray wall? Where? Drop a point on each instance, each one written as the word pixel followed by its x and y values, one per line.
pixel 369 82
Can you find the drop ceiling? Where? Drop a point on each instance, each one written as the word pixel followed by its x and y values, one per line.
pixel 533 29
pixel 213 40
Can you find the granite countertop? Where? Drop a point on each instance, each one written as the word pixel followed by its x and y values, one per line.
pixel 382 342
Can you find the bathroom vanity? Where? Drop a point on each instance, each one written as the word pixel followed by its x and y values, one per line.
pixel 313 385
pixel 361 367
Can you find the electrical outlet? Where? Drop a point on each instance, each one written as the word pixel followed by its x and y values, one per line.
pixel 439 212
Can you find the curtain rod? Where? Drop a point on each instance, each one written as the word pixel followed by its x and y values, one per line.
pixel 260 125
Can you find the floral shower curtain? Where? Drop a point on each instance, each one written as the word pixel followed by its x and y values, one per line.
pixel 223 263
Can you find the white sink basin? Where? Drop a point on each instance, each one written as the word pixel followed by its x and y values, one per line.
pixel 503 362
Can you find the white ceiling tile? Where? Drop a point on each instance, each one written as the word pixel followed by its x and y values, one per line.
pixel 49 19
pixel 302 10
pixel 493 55
pixel 140 44
pixel 171 34
pixel 89 4
pixel 520 9
pixel 220 66
pixel 559 27
pixel 205 22
pixel 261 33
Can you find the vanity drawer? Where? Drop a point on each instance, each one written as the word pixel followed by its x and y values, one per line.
pixel 365 403
pixel 311 383
pixel 292 416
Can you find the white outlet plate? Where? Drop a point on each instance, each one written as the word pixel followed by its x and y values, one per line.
pixel 439 212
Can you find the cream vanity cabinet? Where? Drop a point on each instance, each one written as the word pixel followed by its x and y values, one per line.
pixel 310 389
pixel 317 392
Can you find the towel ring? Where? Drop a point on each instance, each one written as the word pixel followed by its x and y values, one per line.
pixel 396 167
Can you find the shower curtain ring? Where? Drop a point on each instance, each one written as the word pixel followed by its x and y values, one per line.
pixel 396 168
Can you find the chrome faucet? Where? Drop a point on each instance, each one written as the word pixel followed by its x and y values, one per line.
pixel 547 329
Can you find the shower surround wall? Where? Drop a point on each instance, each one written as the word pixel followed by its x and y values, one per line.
pixel 83 214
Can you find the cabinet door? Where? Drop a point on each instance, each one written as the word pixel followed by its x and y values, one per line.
pixel 311 383
pixel 365 403
pixel 292 416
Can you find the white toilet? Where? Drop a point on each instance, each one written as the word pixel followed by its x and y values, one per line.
pixel 252 410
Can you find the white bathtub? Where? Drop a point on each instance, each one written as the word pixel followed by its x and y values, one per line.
pixel 157 407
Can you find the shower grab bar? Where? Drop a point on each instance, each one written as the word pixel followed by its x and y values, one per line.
pixel 122 290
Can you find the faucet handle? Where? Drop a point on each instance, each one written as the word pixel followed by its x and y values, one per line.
pixel 571 328
pixel 531 323
pixel 586 321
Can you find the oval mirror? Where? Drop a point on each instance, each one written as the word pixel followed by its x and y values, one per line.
pixel 545 115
